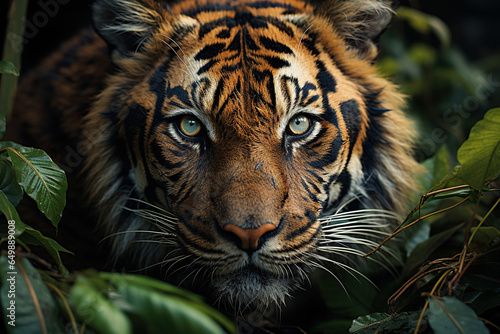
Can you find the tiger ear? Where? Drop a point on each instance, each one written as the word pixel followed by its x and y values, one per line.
pixel 126 24
pixel 360 22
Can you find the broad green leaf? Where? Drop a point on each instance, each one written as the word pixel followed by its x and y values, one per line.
pixel 146 282
pixel 8 183
pixel 480 154
pixel 11 214
pixel 384 323
pixel 2 125
pixel 154 312
pixel 449 315
pixel 416 235
pixel 92 308
pixel 27 319
pixel 452 179
pixel 152 287
pixel 35 237
pixel 6 67
pixel 367 320
pixel 41 178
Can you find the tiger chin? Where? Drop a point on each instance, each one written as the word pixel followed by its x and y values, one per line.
pixel 235 144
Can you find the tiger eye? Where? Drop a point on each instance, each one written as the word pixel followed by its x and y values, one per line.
pixel 299 125
pixel 189 126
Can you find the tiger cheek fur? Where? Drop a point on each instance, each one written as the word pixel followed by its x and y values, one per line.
pixel 229 132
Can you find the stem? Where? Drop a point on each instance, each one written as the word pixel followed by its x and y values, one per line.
pixel 33 297
pixel 66 306
pixel 413 223
pixel 427 301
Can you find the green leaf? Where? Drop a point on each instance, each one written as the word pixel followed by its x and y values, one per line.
pixel 154 312
pixel 40 177
pixel 8 183
pixel 35 237
pixel 368 320
pixel 480 154
pixel 166 296
pixel 416 235
pixel 11 214
pixel 384 323
pixel 29 318
pixel 6 67
pixel 449 315
pixel 119 280
pixel 452 179
pixel 93 309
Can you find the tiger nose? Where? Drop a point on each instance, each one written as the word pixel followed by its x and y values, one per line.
pixel 249 236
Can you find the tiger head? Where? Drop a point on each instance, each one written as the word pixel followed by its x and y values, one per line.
pixel 231 130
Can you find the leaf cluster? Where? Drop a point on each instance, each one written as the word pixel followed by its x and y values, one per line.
pixel 450 282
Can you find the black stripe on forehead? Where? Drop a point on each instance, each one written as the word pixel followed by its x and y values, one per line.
pixel 295 95
pixel 275 46
pixel 270 4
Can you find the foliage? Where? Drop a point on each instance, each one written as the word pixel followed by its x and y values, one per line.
pixel 93 302
pixel 31 171
pixel 451 273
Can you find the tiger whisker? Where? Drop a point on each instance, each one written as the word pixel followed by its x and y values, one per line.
pixel 134 231
pixel 320 266
pixel 149 204
pixel 174 261
pixel 351 271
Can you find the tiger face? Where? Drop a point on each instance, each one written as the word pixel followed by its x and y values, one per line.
pixel 241 126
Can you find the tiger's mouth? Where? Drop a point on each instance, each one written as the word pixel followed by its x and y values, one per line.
pixel 255 288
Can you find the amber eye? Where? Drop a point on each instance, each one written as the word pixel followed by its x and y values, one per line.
pixel 299 125
pixel 189 126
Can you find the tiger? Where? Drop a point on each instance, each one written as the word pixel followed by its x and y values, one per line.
pixel 237 144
